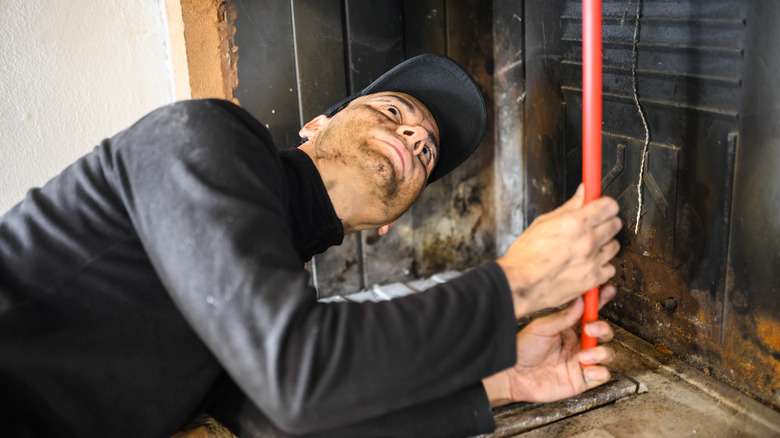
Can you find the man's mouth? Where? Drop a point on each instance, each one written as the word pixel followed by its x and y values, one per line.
pixel 399 149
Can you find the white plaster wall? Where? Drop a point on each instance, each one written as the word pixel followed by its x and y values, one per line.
pixel 72 73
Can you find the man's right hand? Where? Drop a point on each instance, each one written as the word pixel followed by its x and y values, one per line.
pixel 563 254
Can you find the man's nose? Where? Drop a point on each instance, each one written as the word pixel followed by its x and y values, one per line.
pixel 414 135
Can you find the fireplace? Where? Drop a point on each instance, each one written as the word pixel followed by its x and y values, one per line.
pixel 699 277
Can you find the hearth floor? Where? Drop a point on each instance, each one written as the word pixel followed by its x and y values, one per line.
pixel 671 399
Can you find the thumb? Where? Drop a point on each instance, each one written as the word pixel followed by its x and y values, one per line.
pixel 557 322
pixel 575 201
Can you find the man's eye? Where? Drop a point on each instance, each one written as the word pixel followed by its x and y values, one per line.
pixel 427 152
pixel 394 111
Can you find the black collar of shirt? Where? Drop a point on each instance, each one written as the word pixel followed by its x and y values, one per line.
pixel 313 220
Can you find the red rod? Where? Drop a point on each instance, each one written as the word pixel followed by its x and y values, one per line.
pixel 591 132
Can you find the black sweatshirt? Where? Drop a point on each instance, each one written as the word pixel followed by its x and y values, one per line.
pixel 172 254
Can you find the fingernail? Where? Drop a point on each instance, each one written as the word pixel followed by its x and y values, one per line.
pixel 587 357
pixel 588 330
pixel 591 374
pixel 581 189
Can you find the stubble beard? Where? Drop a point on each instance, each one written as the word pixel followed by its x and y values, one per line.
pixel 376 169
pixel 380 170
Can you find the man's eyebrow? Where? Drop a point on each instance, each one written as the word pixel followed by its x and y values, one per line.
pixel 406 103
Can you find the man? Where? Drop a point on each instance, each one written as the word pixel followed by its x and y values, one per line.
pixel 161 276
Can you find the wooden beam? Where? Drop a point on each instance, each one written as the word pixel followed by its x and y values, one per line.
pixel 203 52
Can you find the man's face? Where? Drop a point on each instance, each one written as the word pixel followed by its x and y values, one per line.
pixel 384 146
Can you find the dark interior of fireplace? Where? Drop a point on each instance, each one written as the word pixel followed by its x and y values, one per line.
pixel 700 277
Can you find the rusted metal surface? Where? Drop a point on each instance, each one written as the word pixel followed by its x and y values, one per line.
pixel 751 312
pixel 667 305
pixel 521 417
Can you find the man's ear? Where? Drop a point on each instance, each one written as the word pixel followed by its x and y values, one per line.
pixel 385 228
pixel 310 129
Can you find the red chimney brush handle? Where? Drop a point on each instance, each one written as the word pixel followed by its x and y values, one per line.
pixel 591 133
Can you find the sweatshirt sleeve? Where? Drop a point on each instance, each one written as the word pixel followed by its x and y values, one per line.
pixel 464 413
pixel 204 191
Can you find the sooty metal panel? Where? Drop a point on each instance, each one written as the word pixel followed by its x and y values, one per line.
pixel 509 97
pixel 374 43
pixel 686 184
pixel 424 29
pixel 391 257
pixel 319 42
pixel 685 64
pixel 751 314
pixel 267 86
pixel 688 67
pixel 323 81
pixel 376 40
pixel 454 217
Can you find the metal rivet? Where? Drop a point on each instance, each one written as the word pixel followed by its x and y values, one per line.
pixel 668 304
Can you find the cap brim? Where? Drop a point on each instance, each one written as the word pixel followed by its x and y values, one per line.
pixel 450 94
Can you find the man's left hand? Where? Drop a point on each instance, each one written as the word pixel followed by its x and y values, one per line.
pixel 548 358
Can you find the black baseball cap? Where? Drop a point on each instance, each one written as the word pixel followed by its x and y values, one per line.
pixel 451 95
